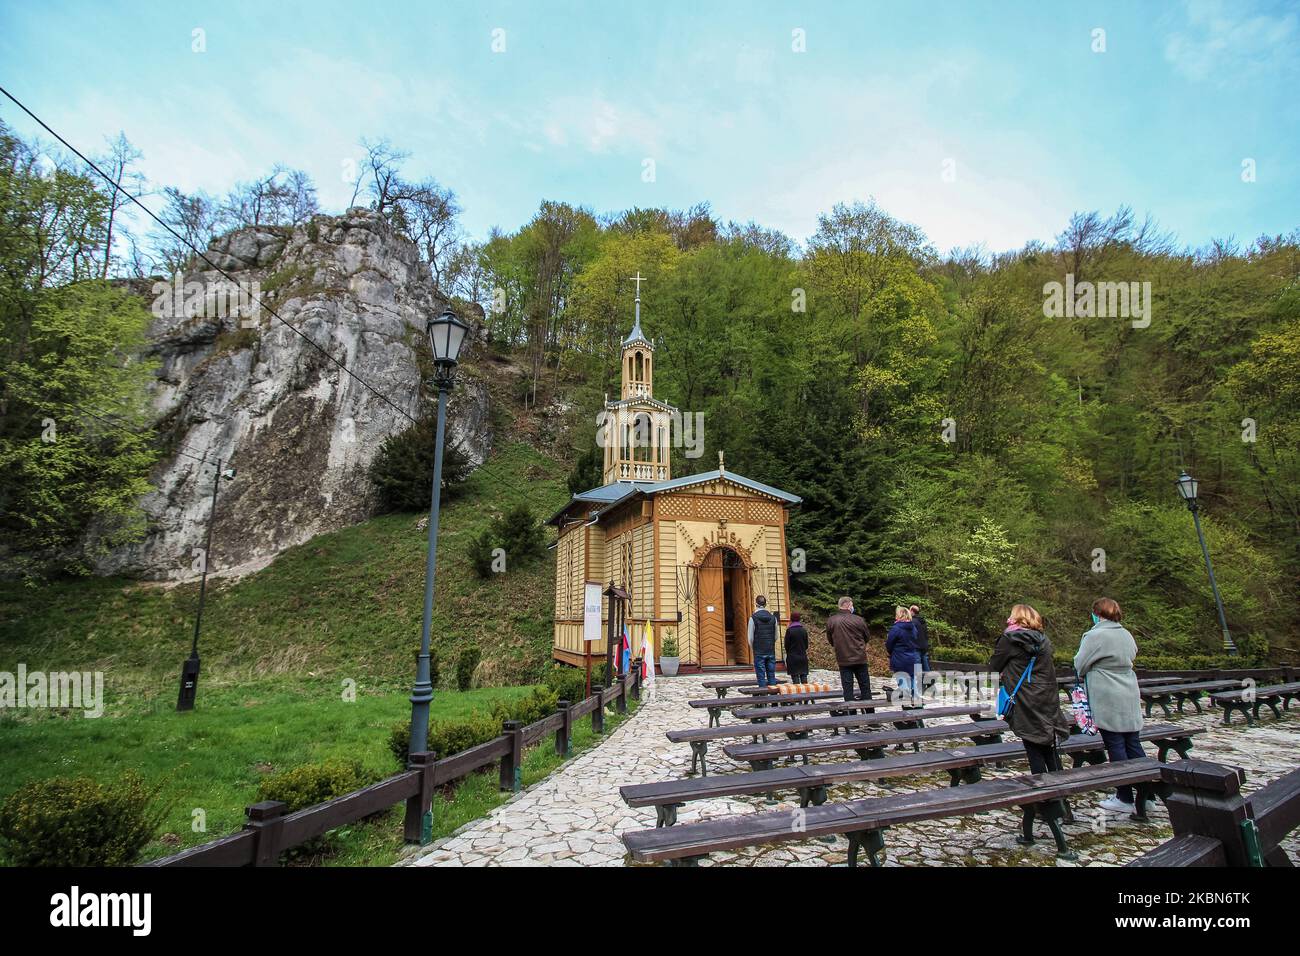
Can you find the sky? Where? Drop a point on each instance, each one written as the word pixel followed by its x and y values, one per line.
pixel 983 123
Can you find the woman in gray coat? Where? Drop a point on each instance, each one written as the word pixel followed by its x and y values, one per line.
pixel 1105 665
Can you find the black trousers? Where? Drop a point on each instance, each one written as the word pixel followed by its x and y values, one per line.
pixel 1043 758
pixel 798 672
pixel 859 671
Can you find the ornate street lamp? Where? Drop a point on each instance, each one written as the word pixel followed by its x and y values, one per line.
pixel 446 336
pixel 1187 488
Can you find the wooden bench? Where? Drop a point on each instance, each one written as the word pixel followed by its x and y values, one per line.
pixel 1250 699
pixel 962 764
pixel 1162 693
pixel 863 821
pixel 1190 849
pixel 1215 826
pixel 700 737
pixel 720 687
pixel 715 706
pixel 837 707
pixel 867 745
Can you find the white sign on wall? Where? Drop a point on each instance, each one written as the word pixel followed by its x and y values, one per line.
pixel 591 613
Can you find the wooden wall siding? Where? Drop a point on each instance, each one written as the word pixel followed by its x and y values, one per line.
pixel 731 507
pixel 569 576
pixel 643 573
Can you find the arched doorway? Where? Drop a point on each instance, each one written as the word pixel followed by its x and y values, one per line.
pixel 723 606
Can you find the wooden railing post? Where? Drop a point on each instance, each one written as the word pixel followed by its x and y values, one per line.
pixel 598 715
pixel 512 764
pixel 266 820
pixel 564 736
pixel 621 700
pixel 1206 800
pixel 422 801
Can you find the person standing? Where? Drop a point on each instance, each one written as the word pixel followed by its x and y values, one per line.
pixel 796 650
pixel 1035 713
pixel 1105 665
pixel 903 657
pixel 762 642
pixel 847 633
pixel 922 637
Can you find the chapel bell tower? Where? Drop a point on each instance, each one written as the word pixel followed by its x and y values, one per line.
pixel 637 428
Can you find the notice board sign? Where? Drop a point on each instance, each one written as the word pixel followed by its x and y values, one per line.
pixel 591 612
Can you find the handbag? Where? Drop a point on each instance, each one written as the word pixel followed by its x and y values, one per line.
pixel 1082 709
pixel 1007 701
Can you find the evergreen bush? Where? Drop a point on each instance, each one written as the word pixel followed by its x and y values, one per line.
pixel 79 821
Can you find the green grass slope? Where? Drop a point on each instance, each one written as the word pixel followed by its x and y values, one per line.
pixel 343 606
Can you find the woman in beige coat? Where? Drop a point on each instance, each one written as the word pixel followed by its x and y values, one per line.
pixel 1105 665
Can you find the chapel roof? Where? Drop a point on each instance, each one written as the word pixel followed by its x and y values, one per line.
pixel 607 496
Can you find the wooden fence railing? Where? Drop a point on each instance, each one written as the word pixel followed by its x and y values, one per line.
pixel 1215 826
pixel 269 830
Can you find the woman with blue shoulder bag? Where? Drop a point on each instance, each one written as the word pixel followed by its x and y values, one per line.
pixel 1105 664
pixel 1030 702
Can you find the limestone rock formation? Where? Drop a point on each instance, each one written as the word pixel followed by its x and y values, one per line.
pixel 252 391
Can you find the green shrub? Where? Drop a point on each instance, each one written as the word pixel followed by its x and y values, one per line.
pixel 309 784
pixel 570 683
pixel 402 469
pixel 518 532
pixel 669 648
pixel 465 666
pixel 78 821
pixel 446 737
pixel 538 703
pixel 312 783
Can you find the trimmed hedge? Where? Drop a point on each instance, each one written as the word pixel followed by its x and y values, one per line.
pixel 78 821
pixel 313 783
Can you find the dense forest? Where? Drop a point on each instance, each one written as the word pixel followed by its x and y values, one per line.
pixel 954 445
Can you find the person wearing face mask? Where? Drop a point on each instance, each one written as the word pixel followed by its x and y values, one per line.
pixel 1105 665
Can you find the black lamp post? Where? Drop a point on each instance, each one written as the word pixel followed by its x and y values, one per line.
pixel 1187 487
pixel 446 336
pixel 190 669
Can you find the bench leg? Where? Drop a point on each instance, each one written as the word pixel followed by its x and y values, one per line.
pixel 666 814
pixel 686 861
pixel 699 749
pixel 964 775
pixel 1051 814
pixel 812 795
pixel 870 753
pixel 873 841
pixel 761 764
pixel 715 717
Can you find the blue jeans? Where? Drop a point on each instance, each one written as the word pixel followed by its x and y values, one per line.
pixel 765 670
pixel 1122 745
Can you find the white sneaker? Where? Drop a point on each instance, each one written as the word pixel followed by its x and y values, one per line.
pixel 1114 804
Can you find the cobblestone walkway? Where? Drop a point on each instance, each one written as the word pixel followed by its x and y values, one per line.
pixel 575 817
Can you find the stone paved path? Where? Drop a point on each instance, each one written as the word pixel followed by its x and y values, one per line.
pixel 575 817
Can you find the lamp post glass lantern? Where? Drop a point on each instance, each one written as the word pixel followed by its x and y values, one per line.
pixel 446 336
pixel 1188 488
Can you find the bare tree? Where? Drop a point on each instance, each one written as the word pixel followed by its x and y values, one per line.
pixel 117 164
pixel 381 177
pixel 195 218
pixel 430 218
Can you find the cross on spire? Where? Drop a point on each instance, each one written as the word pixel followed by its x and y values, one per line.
pixel 638 280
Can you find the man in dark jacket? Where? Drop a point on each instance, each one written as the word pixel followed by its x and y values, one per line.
pixel 848 634
pixel 922 638
pixel 762 641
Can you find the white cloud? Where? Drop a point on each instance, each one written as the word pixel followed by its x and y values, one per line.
pixel 1231 47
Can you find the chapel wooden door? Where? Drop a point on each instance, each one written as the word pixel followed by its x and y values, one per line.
pixel 712 611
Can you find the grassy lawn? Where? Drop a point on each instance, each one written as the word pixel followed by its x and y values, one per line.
pixel 212 758
pixel 277 648
pixel 345 605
